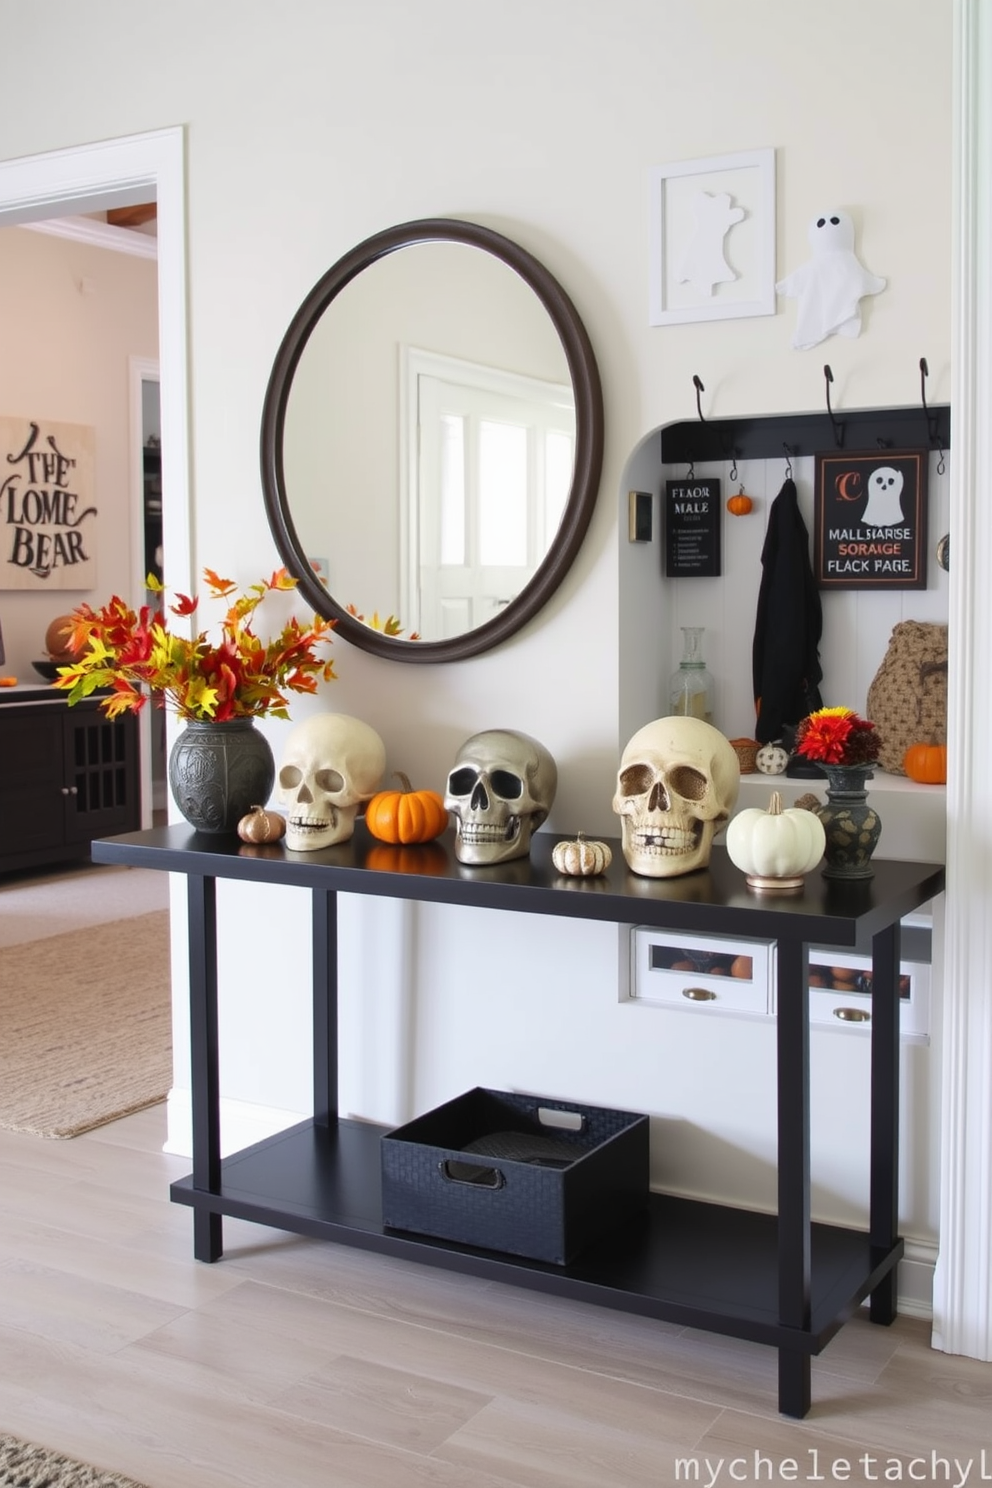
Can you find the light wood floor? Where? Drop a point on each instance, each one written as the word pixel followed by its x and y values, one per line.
pixel 292 1364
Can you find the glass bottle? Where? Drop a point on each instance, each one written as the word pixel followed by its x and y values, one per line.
pixel 690 692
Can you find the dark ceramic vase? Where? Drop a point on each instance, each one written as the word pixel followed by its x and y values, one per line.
pixel 218 771
pixel 852 826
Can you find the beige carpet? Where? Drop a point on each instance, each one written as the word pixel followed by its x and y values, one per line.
pixel 85 1026
pixel 25 1466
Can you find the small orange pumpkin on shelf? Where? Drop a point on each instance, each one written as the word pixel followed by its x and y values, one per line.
pixel 926 763
pixel 739 505
pixel 406 815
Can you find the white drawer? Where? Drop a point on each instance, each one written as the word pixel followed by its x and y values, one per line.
pixel 703 975
pixel 840 993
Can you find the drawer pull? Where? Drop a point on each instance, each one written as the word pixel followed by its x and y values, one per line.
pixel 852 1015
pixel 699 994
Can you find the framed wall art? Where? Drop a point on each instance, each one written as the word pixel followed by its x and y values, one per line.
pixel 712 238
pixel 870 520
pixel 48 506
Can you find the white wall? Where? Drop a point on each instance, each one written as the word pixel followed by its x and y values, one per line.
pixel 315 123
pixel 72 315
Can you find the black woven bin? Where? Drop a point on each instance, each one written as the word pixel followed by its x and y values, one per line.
pixel 499 1171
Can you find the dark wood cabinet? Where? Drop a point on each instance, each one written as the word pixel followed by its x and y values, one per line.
pixel 67 775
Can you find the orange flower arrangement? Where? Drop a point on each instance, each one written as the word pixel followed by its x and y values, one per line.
pixel 837 736
pixel 133 653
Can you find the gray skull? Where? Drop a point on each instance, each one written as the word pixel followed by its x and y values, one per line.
pixel 500 789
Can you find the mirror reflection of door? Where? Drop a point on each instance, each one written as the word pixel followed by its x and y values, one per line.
pixel 491 466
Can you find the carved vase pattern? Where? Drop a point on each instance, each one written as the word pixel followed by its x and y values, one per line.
pixel 851 825
pixel 218 771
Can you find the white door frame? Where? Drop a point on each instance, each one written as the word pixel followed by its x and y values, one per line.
pixel 139 371
pixel 124 172
pixel 962 1303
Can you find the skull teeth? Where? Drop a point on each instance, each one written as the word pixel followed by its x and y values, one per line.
pixel 308 824
pixel 490 831
pixel 666 840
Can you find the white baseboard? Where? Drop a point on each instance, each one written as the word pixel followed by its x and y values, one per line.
pixel 241 1124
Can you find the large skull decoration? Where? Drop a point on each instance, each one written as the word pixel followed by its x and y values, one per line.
pixel 678 780
pixel 500 789
pixel 331 763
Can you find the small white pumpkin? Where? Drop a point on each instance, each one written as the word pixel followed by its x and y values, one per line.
pixel 581 858
pixel 775 848
pixel 772 759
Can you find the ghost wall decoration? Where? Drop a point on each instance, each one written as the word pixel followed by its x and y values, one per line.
pixel 703 263
pixel 830 285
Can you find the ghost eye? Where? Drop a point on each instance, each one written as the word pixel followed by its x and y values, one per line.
pixel 835 221
pixel 821 221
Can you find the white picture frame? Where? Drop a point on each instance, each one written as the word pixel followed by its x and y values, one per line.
pixel 746 181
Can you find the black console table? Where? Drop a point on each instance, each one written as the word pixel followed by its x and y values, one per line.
pixel 774 1279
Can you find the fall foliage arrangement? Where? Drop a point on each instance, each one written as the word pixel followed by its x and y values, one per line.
pixel 238 675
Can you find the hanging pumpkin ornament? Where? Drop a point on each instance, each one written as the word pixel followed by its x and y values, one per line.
pixel 741 504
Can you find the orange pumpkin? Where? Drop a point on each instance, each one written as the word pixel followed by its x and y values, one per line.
pixel 926 763
pixel 406 815
pixel 739 505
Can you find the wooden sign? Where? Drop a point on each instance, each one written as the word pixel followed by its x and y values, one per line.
pixel 48 513
pixel 870 523
pixel 693 512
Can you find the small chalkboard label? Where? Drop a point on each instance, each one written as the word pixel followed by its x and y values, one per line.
pixel 692 529
pixel 871 520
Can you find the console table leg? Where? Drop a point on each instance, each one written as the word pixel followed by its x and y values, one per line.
pixel 794 1377
pixel 884 1196
pixel 201 905
pixel 208 1236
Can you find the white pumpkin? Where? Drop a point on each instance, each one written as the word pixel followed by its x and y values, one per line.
pixel 581 858
pixel 777 843
pixel 772 759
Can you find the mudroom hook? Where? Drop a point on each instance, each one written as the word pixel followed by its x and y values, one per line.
pixel 837 428
pixel 699 389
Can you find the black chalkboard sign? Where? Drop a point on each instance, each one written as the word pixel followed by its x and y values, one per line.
pixel 692 528
pixel 870 529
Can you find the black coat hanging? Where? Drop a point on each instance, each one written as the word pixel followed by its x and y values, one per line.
pixel 785 655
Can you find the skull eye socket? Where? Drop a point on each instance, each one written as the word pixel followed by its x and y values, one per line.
pixel 462 782
pixel 329 780
pixel 508 787
pixel 289 776
pixel 690 784
pixel 636 780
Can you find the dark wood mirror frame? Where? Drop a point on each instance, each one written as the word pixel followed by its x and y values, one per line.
pixel 588 440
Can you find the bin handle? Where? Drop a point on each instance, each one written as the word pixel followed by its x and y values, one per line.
pixel 481 1177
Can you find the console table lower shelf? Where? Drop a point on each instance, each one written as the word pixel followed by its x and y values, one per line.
pixel 695 1264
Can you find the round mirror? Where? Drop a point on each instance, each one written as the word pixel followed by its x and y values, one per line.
pixel 432 441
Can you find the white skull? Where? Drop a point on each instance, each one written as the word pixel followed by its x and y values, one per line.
pixel 500 789
pixel 330 764
pixel 678 780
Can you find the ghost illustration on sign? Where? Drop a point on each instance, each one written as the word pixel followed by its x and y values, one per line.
pixel 703 263
pixel 830 285
pixel 884 507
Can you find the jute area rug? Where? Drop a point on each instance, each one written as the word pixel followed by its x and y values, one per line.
pixel 25 1466
pixel 85 1026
